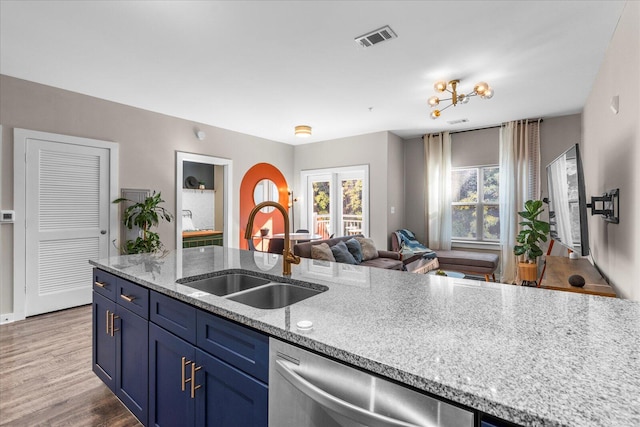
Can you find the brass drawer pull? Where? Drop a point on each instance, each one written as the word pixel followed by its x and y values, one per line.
pixel 185 380
pixel 194 387
pixel 112 318
pixel 100 284
pixel 127 298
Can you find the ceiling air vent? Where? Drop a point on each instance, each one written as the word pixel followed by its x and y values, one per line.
pixel 455 122
pixel 377 36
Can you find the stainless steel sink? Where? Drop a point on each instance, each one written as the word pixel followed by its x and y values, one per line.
pixel 226 284
pixel 274 295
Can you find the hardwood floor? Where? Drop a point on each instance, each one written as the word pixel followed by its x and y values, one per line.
pixel 46 377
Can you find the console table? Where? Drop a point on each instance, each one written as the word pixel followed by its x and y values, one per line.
pixel 559 268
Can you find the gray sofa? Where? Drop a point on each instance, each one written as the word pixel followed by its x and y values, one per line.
pixel 386 259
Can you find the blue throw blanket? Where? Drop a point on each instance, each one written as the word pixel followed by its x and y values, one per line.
pixel 409 244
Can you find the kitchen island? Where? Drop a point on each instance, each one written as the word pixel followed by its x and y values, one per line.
pixel 527 355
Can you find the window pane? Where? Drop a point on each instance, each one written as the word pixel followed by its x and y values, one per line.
pixel 464 185
pixel 464 222
pixel 351 207
pixel 491 223
pixel 490 185
pixel 321 208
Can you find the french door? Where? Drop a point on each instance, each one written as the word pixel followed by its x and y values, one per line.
pixel 337 201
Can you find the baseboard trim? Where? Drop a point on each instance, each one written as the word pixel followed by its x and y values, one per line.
pixel 6 318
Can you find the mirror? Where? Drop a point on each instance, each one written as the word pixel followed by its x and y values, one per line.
pixel 265 190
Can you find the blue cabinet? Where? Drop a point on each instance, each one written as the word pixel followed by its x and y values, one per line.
pixel 120 340
pixel 172 364
pixel 228 397
pixel 188 386
pixel 132 358
pixel 104 344
pixel 170 402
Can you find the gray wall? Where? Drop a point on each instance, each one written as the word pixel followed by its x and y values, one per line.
pixel 395 186
pixel 147 141
pixel 611 152
pixel 370 149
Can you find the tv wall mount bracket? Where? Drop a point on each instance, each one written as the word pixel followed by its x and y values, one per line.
pixel 607 205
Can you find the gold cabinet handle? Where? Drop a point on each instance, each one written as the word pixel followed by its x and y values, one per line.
pixel 100 284
pixel 185 380
pixel 127 298
pixel 113 330
pixel 194 387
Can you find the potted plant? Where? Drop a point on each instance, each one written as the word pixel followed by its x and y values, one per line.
pixel 533 233
pixel 144 215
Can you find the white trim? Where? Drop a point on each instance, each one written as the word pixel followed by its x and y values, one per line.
pixel 229 238
pixel 20 137
pixel 331 173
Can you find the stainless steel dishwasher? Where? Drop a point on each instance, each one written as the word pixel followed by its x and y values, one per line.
pixel 308 390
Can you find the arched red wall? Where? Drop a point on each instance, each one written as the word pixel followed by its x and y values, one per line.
pixel 272 220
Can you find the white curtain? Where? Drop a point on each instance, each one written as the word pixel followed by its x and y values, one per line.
pixel 559 198
pixel 437 149
pixel 519 182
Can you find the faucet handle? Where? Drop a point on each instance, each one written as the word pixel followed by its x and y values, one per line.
pixel 293 259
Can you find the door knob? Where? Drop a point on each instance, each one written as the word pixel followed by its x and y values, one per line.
pixel 103 231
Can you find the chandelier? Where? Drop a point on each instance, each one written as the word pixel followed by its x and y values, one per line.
pixel 481 89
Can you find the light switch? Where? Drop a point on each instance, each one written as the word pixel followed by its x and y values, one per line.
pixel 393 209
pixel 7 216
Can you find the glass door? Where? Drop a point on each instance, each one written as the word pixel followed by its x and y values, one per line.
pixel 336 201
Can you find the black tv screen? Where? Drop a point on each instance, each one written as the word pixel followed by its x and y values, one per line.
pixel 568 202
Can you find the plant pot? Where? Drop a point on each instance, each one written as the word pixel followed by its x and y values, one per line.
pixel 528 271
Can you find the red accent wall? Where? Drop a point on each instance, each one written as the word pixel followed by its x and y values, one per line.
pixel 273 220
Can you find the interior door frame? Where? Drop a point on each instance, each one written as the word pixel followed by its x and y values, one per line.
pixel 20 137
pixel 228 238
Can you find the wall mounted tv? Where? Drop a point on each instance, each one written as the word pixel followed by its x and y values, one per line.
pixel 568 202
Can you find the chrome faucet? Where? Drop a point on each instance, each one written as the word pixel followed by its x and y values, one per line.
pixel 288 257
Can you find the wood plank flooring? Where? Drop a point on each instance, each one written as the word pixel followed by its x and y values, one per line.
pixel 46 377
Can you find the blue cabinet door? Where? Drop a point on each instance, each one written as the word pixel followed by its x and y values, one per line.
pixel 132 362
pixel 104 344
pixel 228 397
pixel 169 405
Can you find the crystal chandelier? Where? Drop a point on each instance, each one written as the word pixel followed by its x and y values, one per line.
pixel 481 89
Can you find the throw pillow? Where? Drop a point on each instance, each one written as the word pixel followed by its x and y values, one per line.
pixel 323 252
pixel 369 250
pixel 341 253
pixel 354 249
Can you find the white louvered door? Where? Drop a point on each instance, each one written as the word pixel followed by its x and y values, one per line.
pixel 67 221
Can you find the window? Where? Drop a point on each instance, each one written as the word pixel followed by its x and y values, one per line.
pixel 336 201
pixel 475 208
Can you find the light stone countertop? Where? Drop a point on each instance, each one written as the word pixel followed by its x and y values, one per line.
pixel 528 355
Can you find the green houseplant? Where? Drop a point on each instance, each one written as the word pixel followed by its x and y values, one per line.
pixel 144 215
pixel 533 233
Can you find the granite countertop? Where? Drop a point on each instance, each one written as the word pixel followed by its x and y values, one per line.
pixel 528 355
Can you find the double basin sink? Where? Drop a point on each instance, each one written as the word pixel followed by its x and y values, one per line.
pixel 256 291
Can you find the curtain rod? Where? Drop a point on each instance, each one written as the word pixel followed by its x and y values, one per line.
pixel 488 127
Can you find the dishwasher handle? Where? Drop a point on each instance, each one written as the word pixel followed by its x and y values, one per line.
pixel 334 403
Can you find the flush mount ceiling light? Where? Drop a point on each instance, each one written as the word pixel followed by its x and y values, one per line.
pixel 481 89
pixel 303 131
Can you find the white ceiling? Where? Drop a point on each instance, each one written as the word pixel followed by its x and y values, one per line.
pixel 262 67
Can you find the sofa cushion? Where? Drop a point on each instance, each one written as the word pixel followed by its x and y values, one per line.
pixel 341 253
pixel 369 250
pixel 355 249
pixel 323 252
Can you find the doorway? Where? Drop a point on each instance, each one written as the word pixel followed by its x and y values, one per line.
pixel 219 191
pixel 63 186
